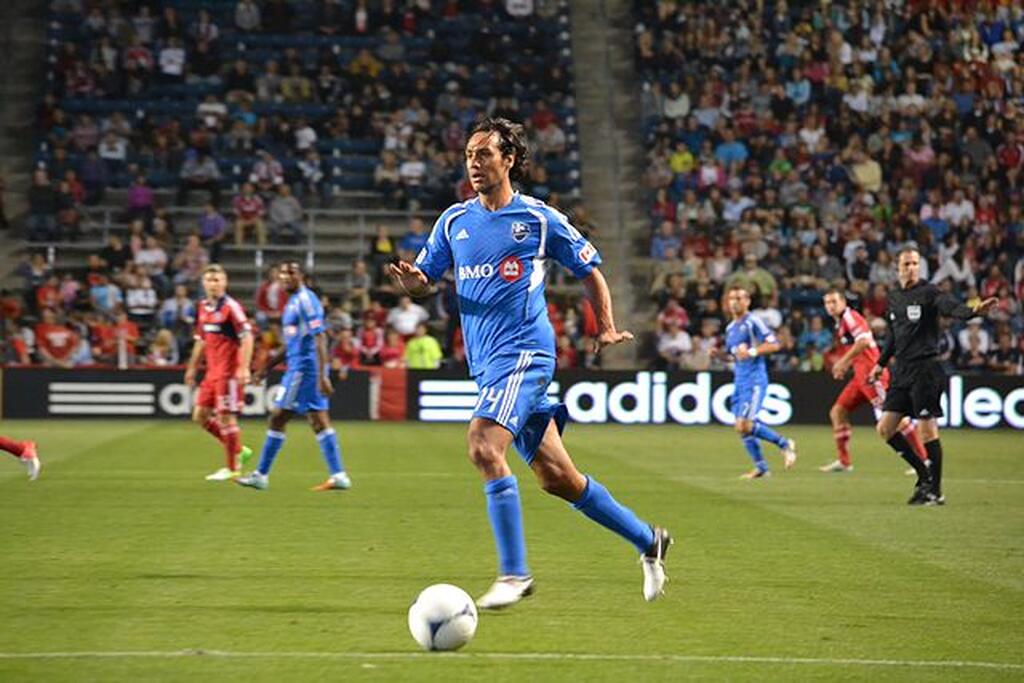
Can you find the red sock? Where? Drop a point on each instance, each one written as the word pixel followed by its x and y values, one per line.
pixel 232 440
pixel 842 437
pixel 213 427
pixel 15 448
pixel 910 434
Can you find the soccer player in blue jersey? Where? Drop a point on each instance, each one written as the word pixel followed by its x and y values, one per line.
pixel 748 340
pixel 306 385
pixel 497 244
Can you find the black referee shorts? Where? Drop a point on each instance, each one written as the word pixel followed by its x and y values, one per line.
pixel 916 390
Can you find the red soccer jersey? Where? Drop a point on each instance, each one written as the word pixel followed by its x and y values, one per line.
pixel 220 325
pixel 851 327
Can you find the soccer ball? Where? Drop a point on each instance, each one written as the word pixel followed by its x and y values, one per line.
pixel 443 617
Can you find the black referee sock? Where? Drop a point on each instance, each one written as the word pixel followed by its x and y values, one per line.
pixel 934 450
pixel 899 443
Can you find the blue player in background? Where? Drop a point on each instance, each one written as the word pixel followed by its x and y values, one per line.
pixel 497 244
pixel 748 340
pixel 306 386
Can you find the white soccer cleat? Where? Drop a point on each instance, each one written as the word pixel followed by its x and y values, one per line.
pixel 30 459
pixel 223 474
pixel 507 590
pixel 789 454
pixel 836 466
pixel 910 472
pixel 254 480
pixel 336 482
pixel 653 563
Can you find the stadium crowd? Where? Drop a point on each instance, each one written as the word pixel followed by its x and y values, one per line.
pixel 796 146
pixel 315 98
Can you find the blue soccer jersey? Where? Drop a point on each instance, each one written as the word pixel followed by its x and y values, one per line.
pixel 750 331
pixel 498 258
pixel 751 375
pixel 301 321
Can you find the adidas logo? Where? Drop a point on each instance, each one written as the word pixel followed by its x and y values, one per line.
pixel 463 235
pixel 514 422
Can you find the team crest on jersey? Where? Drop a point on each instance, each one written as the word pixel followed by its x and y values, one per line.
pixel 511 269
pixel 913 313
pixel 520 231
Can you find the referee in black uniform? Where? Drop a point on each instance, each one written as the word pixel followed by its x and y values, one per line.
pixel 917 379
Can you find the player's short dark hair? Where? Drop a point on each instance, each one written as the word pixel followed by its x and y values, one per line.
pixel 741 288
pixel 511 142
pixel 291 265
pixel 835 290
pixel 908 249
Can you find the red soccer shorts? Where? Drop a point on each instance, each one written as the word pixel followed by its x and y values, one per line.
pixel 223 394
pixel 859 391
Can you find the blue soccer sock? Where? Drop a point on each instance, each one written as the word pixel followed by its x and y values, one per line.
pixel 754 448
pixel 328 440
pixel 506 515
pixel 765 433
pixel 271 445
pixel 597 504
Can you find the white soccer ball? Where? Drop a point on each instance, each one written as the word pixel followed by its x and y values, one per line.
pixel 442 618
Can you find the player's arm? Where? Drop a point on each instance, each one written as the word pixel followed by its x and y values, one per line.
pixel 767 341
pixel 323 362
pixel 843 364
pixel 274 358
pixel 245 349
pixel 888 349
pixel 193 363
pixel 600 298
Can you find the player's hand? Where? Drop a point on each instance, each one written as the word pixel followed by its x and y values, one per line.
pixel 986 305
pixel 408 277
pixel 839 369
pixel 610 338
pixel 742 352
pixel 190 377
pixel 243 375
pixel 875 374
pixel 326 388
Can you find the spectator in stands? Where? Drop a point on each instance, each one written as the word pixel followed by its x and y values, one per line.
pixel 247 16
pixel 55 342
pixel 422 351
pixel 754 277
pixel 270 298
pixel 278 14
pixel 116 254
pixel 189 262
pixel 140 199
pixel 249 213
pixel 140 298
pixel 974 331
pixel 666 241
pixel 345 354
pixel 371 341
pixel 126 338
pixel 163 351
pixel 358 284
pixel 199 172
pixel 404 317
pixel 267 173
pixel 42 209
pixel 152 261
pixel 94 176
pixel 815 336
pixel 1005 359
pixel 178 313
pixel 68 215
pixel 312 177
pixel 387 180
pixel 285 217
pixel 213 230
pixel 413 241
pixel 392 353
pixel 674 344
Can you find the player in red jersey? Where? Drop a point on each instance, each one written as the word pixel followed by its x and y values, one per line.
pixel 862 354
pixel 224 338
pixel 25 451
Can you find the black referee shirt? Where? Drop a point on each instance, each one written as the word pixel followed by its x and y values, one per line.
pixel 913 318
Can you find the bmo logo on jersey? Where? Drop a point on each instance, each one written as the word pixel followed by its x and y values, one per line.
pixel 476 272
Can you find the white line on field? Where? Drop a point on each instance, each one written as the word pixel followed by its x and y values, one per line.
pixel 525 656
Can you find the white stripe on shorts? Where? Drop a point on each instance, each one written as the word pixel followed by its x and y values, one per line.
pixel 515 382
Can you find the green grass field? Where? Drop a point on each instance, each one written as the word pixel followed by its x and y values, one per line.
pixel 123 559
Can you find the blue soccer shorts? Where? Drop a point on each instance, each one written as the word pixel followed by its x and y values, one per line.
pixel 747 398
pixel 514 393
pixel 299 392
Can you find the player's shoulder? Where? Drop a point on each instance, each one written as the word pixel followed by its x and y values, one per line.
pixel 536 205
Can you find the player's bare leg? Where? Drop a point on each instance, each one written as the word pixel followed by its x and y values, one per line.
pixel 488 443
pixel 25 452
pixel 327 438
pixel 557 474
pixel 841 431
